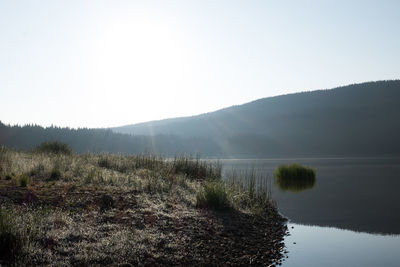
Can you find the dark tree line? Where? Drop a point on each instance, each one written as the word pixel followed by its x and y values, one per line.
pixel 102 140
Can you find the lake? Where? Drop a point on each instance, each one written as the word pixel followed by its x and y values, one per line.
pixel 351 211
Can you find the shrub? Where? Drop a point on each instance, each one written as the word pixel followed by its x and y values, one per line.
pixel 23 180
pixel 294 177
pixel 213 195
pixel 54 148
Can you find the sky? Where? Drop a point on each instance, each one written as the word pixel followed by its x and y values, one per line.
pixel 97 63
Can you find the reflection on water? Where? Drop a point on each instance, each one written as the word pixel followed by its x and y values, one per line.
pixel 359 194
pixel 324 246
pixel 294 177
pixel 294 185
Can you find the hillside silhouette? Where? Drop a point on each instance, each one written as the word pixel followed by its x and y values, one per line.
pixel 354 120
pixel 358 119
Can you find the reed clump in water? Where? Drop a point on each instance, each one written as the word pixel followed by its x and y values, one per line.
pixel 294 177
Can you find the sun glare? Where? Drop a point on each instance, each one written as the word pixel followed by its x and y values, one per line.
pixel 133 58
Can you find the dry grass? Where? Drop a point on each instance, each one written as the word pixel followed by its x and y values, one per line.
pixel 112 210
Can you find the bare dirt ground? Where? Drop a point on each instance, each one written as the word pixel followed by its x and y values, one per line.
pixel 92 225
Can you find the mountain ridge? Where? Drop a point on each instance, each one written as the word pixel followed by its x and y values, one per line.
pixel 125 128
pixel 322 121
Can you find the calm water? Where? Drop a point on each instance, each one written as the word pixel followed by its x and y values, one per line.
pixel 325 246
pixel 353 209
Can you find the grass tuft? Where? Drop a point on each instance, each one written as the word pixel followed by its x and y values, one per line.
pixel 54 148
pixel 214 195
pixel 23 180
pixel 247 192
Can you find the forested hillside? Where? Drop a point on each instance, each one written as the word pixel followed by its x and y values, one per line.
pixel 354 120
pixel 359 119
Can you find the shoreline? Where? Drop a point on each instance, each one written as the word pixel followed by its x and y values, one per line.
pixel 93 215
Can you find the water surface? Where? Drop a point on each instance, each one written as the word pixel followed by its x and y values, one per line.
pixel 359 194
pixel 315 246
pixel 353 209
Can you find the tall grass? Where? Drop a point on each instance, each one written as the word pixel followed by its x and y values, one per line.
pixel 248 191
pixel 148 173
pixel 11 242
pixel 5 162
pixel 214 195
pixel 196 168
pixel 151 173
pixel 23 180
pixel 126 164
pixel 193 168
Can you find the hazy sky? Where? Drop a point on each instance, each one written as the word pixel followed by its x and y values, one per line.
pixel 111 63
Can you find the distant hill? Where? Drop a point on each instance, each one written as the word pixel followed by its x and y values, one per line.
pixel 354 120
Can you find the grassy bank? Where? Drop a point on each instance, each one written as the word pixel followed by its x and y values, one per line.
pixel 59 208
